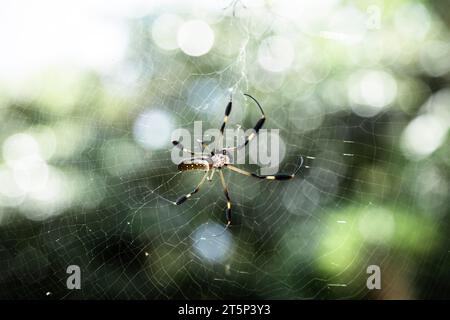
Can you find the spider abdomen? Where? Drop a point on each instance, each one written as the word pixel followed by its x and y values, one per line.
pixel 194 164
pixel 190 167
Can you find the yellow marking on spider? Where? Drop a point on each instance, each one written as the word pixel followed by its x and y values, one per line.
pixel 229 205
pixel 188 195
pixel 239 170
pixel 270 177
pixel 225 119
pixel 251 136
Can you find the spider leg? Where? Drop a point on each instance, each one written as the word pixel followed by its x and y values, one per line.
pixel 204 145
pixel 227 114
pixel 281 176
pixel 212 175
pixel 181 147
pixel 225 190
pixel 183 198
pixel 256 128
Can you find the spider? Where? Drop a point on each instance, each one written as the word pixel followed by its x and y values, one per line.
pixel 219 159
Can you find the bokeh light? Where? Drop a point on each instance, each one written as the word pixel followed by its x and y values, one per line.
pixel 163 31
pixel 212 242
pixel 195 38
pixel 80 38
pixel 11 194
pixel 423 135
pixel 18 147
pixel 370 91
pixel 434 58
pixel 152 129
pixel 276 54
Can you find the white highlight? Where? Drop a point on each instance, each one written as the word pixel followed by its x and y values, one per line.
pixel 195 38
pixel 19 146
pixel 423 136
pixel 28 181
pixel 212 242
pixel 370 91
pixel 276 54
pixel 11 194
pixel 341 37
pixel 31 174
pixel 152 129
pixel 22 155
pixel 38 34
pixel 378 88
pixel 163 31
pixel 347 24
pixel 434 58
pixel 309 15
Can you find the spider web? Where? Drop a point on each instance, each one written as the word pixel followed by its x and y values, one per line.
pixel 289 239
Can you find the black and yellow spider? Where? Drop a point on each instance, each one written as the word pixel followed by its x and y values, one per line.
pixel 221 158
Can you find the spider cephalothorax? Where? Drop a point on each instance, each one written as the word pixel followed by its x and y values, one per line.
pixel 220 159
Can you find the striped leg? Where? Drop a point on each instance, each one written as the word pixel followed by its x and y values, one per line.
pixel 281 176
pixel 268 177
pixel 204 145
pixel 256 128
pixel 182 199
pixel 212 174
pixel 227 114
pixel 225 190
pixel 181 147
